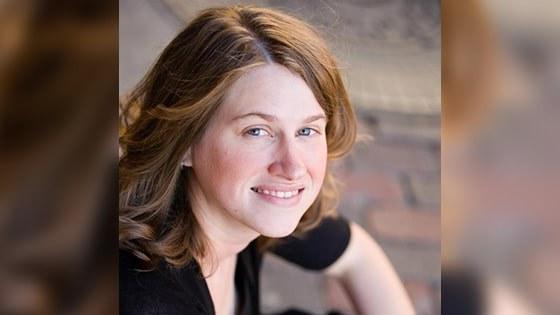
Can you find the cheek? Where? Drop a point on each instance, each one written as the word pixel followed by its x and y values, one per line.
pixel 231 166
pixel 316 161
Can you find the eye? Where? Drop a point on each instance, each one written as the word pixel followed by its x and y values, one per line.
pixel 306 132
pixel 257 132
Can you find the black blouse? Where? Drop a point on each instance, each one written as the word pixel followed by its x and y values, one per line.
pixel 171 291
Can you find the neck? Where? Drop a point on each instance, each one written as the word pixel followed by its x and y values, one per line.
pixel 221 285
pixel 225 235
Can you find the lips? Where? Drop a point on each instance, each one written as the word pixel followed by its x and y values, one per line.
pixel 278 192
pixel 285 194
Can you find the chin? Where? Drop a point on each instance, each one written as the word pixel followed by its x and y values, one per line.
pixel 277 230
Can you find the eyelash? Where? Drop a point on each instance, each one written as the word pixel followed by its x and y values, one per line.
pixel 248 132
pixel 312 132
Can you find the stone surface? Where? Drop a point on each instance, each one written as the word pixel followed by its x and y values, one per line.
pixel 406 226
pixel 338 299
pixel 285 285
pixel 389 51
pixel 376 186
pixel 425 189
pixel 140 41
pixel 414 263
pixel 422 295
pixel 394 157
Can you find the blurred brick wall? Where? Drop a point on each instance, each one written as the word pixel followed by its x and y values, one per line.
pixel 392 188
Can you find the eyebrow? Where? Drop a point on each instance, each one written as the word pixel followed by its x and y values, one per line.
pixel 272 118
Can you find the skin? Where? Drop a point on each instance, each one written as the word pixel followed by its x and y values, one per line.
pixel 367 275
pixel 269 134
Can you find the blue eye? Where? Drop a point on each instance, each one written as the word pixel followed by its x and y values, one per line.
pixel 257 132
pixel 306 132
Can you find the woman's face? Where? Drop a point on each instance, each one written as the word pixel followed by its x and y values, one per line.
pixel 262 160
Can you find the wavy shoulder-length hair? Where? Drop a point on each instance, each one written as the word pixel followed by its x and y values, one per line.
pixel 171 107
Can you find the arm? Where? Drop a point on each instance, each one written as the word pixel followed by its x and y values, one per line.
pixel 368 276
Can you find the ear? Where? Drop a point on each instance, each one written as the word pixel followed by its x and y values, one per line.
pixel 187 158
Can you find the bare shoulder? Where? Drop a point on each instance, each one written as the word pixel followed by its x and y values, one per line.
pixel 360 240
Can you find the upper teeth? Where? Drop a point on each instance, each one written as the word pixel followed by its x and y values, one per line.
pixel 279 194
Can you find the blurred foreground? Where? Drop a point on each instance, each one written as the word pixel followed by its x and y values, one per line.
pixel 500 154
pixel 58 122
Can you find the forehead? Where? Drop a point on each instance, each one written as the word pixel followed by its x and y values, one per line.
pixel 272 89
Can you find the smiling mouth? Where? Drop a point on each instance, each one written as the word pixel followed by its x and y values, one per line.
pixel 283 194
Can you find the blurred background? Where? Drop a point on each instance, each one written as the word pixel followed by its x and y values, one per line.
pixel 389 52
pixel 500 157
pixel 58 157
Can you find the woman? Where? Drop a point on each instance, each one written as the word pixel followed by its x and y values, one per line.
pixel 225 150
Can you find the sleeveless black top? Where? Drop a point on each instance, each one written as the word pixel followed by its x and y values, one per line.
pixel 171 291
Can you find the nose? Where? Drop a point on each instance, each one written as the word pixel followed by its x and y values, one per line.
pixel 288 163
